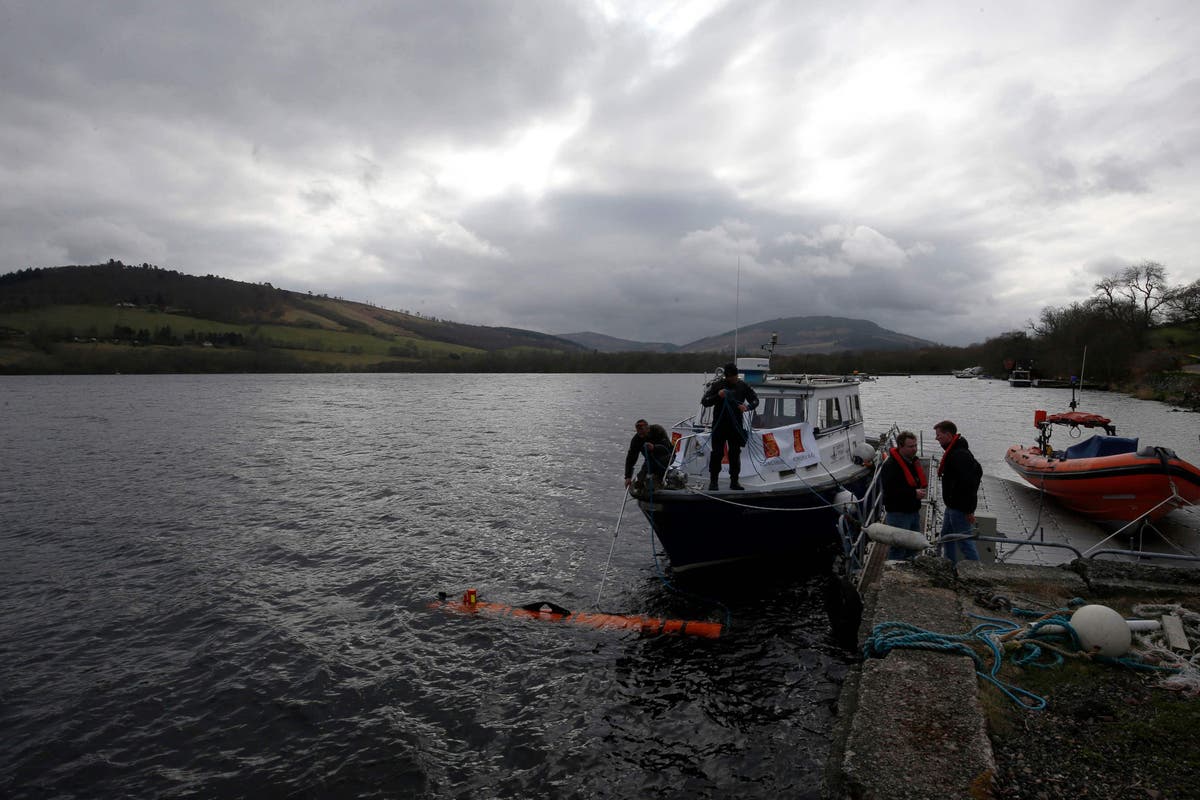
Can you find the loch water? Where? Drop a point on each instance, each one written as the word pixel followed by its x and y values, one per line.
pixel 220 586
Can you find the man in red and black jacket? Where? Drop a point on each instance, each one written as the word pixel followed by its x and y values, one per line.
pixel 903 482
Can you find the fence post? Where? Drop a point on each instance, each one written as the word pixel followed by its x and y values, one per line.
pixel 986 525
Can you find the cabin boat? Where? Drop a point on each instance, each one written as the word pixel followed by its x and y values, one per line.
pixel 1106 477
pixel 1020 377
pixel 806 462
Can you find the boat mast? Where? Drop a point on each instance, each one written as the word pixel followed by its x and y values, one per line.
pixel 737 307
pixel 1081 369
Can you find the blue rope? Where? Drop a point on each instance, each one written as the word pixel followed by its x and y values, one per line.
pixel 888 636
pixel 1040 645
pixel 730 407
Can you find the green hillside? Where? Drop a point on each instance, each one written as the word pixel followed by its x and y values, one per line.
pixel 115 317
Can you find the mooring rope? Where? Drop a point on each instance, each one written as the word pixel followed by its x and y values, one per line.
pixel 1046 642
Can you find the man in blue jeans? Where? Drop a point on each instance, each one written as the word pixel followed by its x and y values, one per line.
pixel 960 474
pixel 903 482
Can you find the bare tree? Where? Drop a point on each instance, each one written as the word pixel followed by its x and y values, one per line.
pixel 1183 303
pixel 1135 295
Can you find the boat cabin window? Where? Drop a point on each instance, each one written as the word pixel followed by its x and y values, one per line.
pixel 855 408
pixel 775 412
pixel 829 413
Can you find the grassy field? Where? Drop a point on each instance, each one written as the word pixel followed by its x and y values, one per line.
pixel 106 357
pixel 321 348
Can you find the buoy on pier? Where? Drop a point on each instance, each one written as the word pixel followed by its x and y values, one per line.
pixel 1102 630
pixel 897 537
pixel 470 603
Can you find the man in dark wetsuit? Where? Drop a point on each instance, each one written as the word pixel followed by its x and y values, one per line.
pixel 729 398
pixel 960 474
pixel 903 482
pixel 658 451
pixel 637 446
pixel 652 442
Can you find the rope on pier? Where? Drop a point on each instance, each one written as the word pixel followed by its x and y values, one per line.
pixel 1046 642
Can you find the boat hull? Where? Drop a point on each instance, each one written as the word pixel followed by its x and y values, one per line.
pixel 1113 489
pixel 707 529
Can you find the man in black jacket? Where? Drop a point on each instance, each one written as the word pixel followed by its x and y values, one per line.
pixel 652 442
pixel 960 474
pixel 730 398
pixel 637 446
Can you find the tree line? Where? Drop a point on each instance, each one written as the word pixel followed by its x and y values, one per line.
pixel 1134 324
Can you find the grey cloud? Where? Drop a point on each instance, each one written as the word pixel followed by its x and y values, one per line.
pixel 858 161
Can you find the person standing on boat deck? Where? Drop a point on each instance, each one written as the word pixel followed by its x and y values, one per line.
pixel 960 474
pixel 730 398
pixel 903 482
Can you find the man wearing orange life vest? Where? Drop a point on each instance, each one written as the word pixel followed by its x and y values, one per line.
pixel 960 474
pixel 903 482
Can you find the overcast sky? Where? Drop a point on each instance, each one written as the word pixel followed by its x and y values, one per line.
pixel 945 169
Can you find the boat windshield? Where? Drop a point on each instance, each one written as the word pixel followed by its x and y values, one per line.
pixel 775 412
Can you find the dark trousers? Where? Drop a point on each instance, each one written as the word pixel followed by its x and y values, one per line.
pixel 724 436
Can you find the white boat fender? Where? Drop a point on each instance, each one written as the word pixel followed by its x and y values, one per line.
pixel 1135 626
pixel 1102 630
pixel 863 453
pixel 897 537
pixel 1143 625
pixel 843 501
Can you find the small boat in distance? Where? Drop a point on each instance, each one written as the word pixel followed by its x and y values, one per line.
pixel 969 372
pixel 1020 377
pixel 1106 477
pixel 805 463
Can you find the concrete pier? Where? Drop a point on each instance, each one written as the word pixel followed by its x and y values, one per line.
pixel 910 725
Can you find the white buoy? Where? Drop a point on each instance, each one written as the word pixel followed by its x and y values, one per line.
pixel 898 537
pixel 864 453
pixel 843 501
pixel 1102 630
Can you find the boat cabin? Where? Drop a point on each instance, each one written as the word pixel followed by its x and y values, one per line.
pixel 826 402
pixel 802 422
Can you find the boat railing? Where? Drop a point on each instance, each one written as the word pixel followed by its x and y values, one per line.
pixel 1089 555
pixel 1017 543
pixel 812 378
pixel 852 528
pixel 686 422
pixel 1142 523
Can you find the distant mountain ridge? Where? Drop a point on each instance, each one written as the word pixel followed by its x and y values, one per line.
pixel 797 335
pixel 611 344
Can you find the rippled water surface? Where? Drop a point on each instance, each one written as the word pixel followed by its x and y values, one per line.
pixel 218 586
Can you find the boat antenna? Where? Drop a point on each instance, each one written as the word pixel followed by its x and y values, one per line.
pixel 1082 367
pixel 737 307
